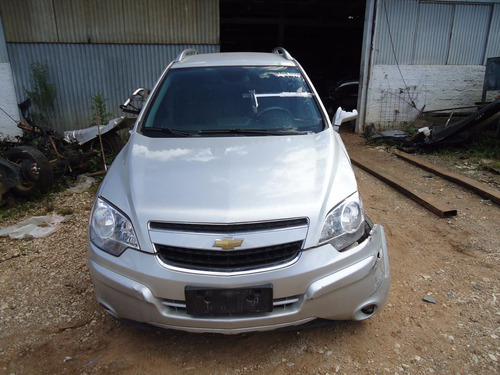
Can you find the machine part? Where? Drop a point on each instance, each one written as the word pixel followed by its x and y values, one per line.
pixel 10 175
pixel 36 173
pixel 111 142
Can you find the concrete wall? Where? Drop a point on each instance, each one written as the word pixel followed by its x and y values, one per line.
pixel 8 102
pixel 8 99
pixel 393 100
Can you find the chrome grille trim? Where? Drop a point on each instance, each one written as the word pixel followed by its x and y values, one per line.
pixel 219 228
pixel 229 273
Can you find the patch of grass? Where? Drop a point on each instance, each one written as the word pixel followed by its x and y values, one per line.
pixel 49 207
pixel 484 146
pixel 20 209
pixel 65 211
pixel 24 249
pixel 5 214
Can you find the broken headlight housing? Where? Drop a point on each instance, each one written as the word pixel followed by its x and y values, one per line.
pixel 344 225
pixel 111 230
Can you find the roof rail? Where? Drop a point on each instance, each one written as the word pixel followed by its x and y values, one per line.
pixel 183 54
pixel 283 52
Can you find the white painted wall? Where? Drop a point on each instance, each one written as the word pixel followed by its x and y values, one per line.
pixel 430 87
pixel 8 103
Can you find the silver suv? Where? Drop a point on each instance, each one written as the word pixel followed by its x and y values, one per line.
pixel 234 206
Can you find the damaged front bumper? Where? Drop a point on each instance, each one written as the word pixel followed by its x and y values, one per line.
pixel 322 284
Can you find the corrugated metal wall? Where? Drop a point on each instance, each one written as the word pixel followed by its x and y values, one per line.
pixel 80 71
pixel 111 21
pixel 4 57
pixel 102 46
pixel 436 33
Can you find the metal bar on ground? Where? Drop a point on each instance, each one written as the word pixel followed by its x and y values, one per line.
pixel 441 209
pixel 475 186
pixel 454 108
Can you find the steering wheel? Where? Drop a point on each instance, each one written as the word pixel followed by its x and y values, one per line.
pixel 276 115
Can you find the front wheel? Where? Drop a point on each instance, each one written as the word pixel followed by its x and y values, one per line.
pixel 36 172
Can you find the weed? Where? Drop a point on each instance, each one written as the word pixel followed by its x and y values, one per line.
pixel 42 95
pixel 65 211
pixel 24 249
pixel 484 146
pixel 5 214
pixel 100 116
pixel 96 163
pixel 49 207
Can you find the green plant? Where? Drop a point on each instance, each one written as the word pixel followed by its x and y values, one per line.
pixel 49 207
pixel 100 116
pixel 483 146
pixel 65 211
pixel 42 94
pixel 24 249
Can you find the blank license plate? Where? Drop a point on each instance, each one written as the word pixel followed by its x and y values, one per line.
pixel 206 301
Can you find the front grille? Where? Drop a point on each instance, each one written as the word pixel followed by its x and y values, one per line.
pixel 229 261
pixel 229 228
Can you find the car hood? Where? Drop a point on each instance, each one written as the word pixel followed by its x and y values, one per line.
pixel 229 179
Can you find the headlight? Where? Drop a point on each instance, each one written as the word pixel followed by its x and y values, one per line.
pixel 110 230
pixel 344 225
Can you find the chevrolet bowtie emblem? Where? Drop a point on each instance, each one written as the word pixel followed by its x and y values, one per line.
pixel 228 243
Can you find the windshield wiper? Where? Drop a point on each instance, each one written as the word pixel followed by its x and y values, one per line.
pixel 255 103
pixel 251 131
pixel 177 132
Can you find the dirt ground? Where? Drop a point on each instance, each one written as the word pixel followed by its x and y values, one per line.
pixel 50 322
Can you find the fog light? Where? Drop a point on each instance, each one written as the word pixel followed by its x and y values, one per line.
pixel 369 310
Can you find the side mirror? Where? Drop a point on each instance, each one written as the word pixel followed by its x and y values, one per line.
pixel 342 116
pixel 134 103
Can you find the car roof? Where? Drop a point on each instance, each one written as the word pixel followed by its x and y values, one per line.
pixel 233 59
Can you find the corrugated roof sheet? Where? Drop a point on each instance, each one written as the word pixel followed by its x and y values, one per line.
pixel 436 33
pixel 4 56
pixel 432 37
pixel 469 34
pixel 396 21
pixel 493 47
pixel 112 21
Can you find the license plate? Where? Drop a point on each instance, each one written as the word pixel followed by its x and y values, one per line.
pixel 207 301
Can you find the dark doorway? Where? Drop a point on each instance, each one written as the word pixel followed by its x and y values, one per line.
pixel 325 36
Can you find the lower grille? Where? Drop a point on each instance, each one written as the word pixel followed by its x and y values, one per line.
pixel 229 261
pixel 278 304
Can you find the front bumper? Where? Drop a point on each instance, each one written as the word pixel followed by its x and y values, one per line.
pixel 323 283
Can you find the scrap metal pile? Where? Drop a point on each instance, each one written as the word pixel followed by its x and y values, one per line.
pixel 28 163
pixel 434 136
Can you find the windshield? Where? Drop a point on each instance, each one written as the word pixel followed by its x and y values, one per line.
pixel 233 100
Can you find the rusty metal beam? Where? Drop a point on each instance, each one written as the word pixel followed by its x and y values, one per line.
pixel 476 186
pixel 442 209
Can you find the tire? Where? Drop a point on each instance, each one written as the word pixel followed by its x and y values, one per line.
pixel 111 142
pixel 36 171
